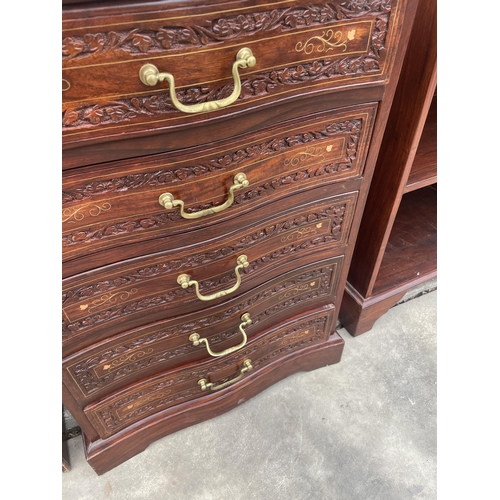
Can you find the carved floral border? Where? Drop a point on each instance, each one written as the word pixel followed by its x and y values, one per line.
pixel 227 161
pixel 88 116
pixel 142 405
pixel 83 372
pixel 163 39
pixel 336 213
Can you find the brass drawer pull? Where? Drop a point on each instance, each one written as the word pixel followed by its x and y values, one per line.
pixel 167 200
pixel 150 75
pixel 245 321
pixel 185 280
pixel 204 384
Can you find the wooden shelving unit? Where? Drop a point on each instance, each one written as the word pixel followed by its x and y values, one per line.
pixel 410 255
pixel 424 167
pixel 396 247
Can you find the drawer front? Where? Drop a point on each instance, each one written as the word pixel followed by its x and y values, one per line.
pixel 166 345
pixel 296 45
pixel 119 204
pixel 116 298
pixel 139 401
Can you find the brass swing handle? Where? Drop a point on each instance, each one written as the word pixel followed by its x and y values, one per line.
pixel 185 280
pixel 167 200
pixel 245 321
pixel 150 75
pixel 204 384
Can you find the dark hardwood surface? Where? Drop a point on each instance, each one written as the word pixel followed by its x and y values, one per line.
pixel 105 300
pixel 416 88
pixel 125 357
pixel 212 128
pixel 113 205
pixel 411 252
pixel 166 389
pixel 104 99
pixel 410 259
pixel 424 168
pixel 104 454
pixel 130 374
pixel 396 246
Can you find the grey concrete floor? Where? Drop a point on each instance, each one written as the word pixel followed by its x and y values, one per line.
pixel 362 429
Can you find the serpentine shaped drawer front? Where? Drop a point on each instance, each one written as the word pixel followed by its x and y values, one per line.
pixel 138 401
pixel 105 301
pixel 297 44
pixel 118 203
pixel 165 344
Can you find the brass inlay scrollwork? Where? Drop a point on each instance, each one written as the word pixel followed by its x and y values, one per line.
pixel 325 42
pixel 294 337
pixel 301 233
pixel 292 292
pixel 76 212
pixel 123 412
pixel 309 153
pixel 126 358
pixel 109 298
pixel 65 85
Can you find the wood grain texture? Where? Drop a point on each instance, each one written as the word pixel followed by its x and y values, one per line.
pixel 122 359
pixel 424 167
pixel 320 45
pixel 411 251
pixel 307 130
pixel 122 408
pixel 398 232
pixel 359 314
pixel 105 454
pixel 108 207
pixel 212 127
pixel 416 86
pixel 101 302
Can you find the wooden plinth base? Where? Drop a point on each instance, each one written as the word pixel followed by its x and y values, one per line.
pixel 358 314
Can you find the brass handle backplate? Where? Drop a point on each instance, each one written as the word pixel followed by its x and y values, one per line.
pixel 150 75
pixel 185 280
pixel 167 200
pixel 204 384
pixel 245 321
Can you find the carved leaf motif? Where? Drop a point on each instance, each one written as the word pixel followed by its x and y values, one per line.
pixel 163 177
pixel 95 43
pixel 142 42
pixel 94 114
pixel 165 37
pixel 69 117
pixel 72 48
pixel 171 37
pixel 253 85
pixel 150 398
pixel 370 65
pixel 381 24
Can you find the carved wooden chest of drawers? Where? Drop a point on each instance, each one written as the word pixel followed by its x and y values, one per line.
pixel 216 161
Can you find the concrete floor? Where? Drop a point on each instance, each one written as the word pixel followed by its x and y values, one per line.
pixel 363 429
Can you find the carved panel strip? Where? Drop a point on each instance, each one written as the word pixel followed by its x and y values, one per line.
pixel 226 162
pixel 331 48
pixel 287 238
pixel 257 85
pixel 167 344
pixel 163 39
pixel 116 413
